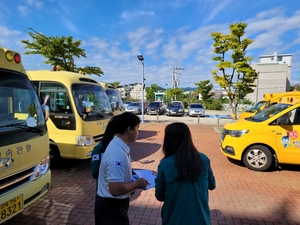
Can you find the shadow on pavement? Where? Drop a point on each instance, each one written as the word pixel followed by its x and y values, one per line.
pixel 64 163
pixel 142 150
pixel 143 134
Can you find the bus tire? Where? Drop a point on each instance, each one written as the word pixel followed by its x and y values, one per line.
pixel 54 154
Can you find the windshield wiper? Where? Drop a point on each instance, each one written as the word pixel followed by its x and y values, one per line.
pixel 12 125
pixel 23 126
pixel 107 111
pixel 97 113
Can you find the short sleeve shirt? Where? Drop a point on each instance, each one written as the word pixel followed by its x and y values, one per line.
pixel 115 167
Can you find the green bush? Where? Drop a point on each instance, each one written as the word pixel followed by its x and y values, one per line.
pixel 215 105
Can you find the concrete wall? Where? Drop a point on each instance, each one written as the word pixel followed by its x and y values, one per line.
pixel 272 78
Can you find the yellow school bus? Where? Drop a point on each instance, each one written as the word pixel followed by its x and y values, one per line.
pixel 114 97
pixel 24 142
pixel 268 100
pixel 79 111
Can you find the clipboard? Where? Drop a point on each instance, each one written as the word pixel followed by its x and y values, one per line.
pixel 149 175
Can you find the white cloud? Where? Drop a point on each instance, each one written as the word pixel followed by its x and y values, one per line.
pixel 37 4
pixel 24 10
pixel 221 5
pixel 69 25
pixel 130 14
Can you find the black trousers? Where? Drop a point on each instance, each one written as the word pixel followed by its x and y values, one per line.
pixel 111 211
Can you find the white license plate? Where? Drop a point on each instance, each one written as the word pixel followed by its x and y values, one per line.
pixel 11 207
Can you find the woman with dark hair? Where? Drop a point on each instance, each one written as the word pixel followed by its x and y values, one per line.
pixel 183 179
pixel 101 146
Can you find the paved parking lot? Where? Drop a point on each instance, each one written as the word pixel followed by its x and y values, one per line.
pixel 242 196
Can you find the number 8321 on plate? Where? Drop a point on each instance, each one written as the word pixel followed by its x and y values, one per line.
pixel 11 207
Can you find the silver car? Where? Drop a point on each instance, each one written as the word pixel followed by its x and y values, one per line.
pixel 125 104
pixel 134 107
pixel 196 109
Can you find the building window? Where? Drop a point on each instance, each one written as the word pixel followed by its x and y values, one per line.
pixel 272 58
pixel 279 58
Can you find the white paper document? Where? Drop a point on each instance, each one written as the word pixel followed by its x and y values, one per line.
pixel 149 175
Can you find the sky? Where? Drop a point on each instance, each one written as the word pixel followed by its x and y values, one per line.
pixel 168 33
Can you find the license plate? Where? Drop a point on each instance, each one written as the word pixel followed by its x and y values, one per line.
pixel 11 207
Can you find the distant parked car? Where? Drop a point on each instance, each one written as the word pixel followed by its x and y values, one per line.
pixel 154 108
pixel 175 109
pixel 196 109
pixel 134 107
pixel 126 104
pixel 178 102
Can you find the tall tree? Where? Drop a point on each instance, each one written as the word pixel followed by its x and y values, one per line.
pixel 174 93
pixel 204 88
pixel 150 92
pixel 233 74
pixel 59 51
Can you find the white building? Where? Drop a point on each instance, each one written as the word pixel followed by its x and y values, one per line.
pixel 134 91
pixel 274 75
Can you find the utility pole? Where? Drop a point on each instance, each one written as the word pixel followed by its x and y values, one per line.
pixel 175 73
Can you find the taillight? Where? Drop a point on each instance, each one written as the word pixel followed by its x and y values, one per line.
pixel 17 58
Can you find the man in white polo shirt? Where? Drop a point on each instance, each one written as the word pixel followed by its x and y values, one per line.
pixel 115 174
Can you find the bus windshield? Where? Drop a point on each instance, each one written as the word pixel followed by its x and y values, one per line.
pixel 91 99
pixel 256 106
pixel 20 106
pixel 114 96
pixel 268 112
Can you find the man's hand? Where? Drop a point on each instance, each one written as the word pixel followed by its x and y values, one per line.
pixel 120 188
pixel 142 183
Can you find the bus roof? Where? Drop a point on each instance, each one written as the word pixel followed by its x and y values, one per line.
pixel 59 76
pixel 275 96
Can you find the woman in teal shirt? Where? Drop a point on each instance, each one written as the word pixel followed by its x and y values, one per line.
pixel 183 179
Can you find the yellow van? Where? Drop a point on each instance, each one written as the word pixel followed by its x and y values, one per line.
pixel 265 139
pixel 269 99
pixel 79 111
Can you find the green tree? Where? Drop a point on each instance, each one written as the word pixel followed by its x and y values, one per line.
pixel 150 92
pixel 204 88
pixel 191 96
pixel 59 51
pixel 115 84
pixel 174 93
pixel 235 76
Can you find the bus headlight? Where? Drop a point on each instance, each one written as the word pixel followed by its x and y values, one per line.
pixel 84 140
pixel 41 168
pixel 237 133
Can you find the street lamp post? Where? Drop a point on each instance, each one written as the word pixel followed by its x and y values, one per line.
pixel 166 92
pixel 141 58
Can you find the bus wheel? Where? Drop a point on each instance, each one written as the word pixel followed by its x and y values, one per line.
pixel 258 158
pixel 54 154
